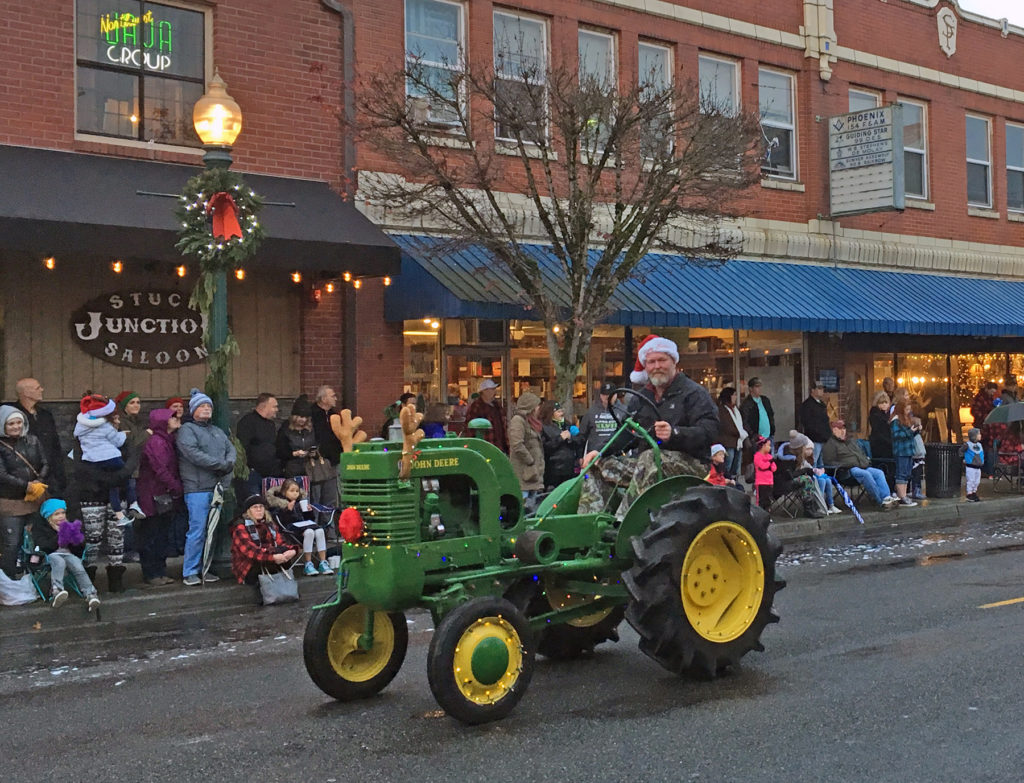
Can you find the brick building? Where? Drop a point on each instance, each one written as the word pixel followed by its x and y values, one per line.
pixel 929 292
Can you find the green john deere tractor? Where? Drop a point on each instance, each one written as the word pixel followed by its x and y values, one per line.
pixel 690 566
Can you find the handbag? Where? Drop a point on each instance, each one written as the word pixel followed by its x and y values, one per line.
pixel 163 504
pixel 279 587
pixel 320 469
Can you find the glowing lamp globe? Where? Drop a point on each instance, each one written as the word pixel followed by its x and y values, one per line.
pixel 217 116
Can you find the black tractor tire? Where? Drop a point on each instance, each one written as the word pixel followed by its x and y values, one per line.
pixel 481 660
pixel 337 666
pixel 565 642
pixel 718 542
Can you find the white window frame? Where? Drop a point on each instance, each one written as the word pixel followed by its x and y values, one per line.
pixel 668 61
pixel 461 43
pixel 735 65
pixel 876 97
pixel 791 126
pixel 979 162
pixel 613 55
pixel 494 54
pixel 922 151
pixel 1019 169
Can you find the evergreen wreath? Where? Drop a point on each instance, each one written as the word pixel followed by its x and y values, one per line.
pixel 196 239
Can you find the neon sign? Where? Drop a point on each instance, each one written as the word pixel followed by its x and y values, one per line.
pixel 137 41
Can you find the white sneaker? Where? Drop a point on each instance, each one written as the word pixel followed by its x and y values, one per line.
pixel 94 602
pixel 894 498
pixel 59 599
pixel 834 510
pixel 908 502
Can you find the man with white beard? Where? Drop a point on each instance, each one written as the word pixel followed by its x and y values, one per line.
pixel 685 427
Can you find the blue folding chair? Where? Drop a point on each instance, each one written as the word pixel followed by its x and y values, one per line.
pixel 38 567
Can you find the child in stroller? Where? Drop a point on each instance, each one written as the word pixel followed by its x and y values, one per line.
pixel 294 517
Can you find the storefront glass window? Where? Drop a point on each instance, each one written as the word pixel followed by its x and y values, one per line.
pixel 924 375
pixel 422 366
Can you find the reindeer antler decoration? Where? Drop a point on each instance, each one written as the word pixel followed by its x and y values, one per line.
pixel 346 429
pixel 411 435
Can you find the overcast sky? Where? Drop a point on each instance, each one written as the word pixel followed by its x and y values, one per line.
pixel 997 9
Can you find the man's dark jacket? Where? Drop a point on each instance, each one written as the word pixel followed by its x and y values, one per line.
pixel 258 437
pixel 750 415
pixel 327 442
pixel 688 407
pixel 814 420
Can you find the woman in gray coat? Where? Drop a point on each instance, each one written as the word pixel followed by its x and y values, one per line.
pixel 526 448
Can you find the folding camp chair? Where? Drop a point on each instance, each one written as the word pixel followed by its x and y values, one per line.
pixel 1006 469
pixel 38 568
pixel 326 516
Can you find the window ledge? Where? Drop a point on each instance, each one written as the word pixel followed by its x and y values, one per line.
pixel 1015 217
pixel 454 141
pixel 510 148
pixel 781 184
pixel 919 203
pixel 982 212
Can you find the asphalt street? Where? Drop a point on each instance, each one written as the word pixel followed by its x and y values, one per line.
pixel 887 666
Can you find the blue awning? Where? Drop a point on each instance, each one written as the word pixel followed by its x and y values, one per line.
pixel 466 282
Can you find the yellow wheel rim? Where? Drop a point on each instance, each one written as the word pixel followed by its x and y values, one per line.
pixel 350 662
pixel 560 598
pixel 722 581
pixel 488 660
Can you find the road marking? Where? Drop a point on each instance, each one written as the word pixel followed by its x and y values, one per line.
pixel 1002 603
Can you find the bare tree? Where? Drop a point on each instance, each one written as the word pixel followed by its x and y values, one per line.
pixel 604 174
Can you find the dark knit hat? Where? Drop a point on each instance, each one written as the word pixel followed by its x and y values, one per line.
pixel 252 500
pixel 302 406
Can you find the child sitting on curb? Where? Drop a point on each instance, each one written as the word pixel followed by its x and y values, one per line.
pixel 63 542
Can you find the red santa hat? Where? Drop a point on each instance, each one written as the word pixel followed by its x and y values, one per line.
pixel 651 343
pixel 96 406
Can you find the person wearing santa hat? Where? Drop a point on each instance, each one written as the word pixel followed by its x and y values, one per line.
pixel 685 426
pixel 101 441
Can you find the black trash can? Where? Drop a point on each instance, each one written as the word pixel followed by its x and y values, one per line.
pixel 943 467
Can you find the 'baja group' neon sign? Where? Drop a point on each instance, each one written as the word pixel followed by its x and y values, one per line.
pixel 122 33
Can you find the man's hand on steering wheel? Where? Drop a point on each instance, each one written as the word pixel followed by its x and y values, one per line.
pixel 662 430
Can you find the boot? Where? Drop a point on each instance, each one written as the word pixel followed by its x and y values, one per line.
pixel 91 571
pixel 115 574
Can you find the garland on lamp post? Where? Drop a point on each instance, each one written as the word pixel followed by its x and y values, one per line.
pixel 219 227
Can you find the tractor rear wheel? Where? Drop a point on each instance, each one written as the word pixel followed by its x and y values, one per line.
pixel 703 582
pixel 334 659
pixel 480 660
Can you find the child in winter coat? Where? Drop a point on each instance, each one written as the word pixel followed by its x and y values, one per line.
pixel 291 511
pixel 716 475
pixel 764 472
pixel 100 440
pixel 974 459
pixel 63 543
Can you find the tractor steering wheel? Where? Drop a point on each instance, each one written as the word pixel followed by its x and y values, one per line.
pixel 639 396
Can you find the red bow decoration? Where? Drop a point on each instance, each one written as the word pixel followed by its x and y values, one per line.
pixel 225 216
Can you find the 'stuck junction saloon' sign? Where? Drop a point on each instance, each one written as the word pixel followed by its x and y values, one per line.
pixel 148 330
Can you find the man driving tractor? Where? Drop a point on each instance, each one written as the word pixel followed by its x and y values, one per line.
pixel 685 426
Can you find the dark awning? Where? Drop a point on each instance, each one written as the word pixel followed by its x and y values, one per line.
pixel 69 203
pixel 467 282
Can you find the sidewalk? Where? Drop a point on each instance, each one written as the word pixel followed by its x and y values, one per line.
pixel 141 601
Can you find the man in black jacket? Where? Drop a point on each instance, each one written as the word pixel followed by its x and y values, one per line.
pixel 41 424
pixel 685 426
pixel 814 419
pixel 327 443
pixel 598 425
pixel 757 413
pixel 257 432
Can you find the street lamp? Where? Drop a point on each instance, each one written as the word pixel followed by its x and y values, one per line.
pixel 217 118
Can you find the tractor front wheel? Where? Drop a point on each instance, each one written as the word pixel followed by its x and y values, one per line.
pixel 480 660
pixel 703 582
pixel 339 660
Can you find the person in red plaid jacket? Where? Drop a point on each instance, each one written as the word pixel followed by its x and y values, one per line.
pixel 257 545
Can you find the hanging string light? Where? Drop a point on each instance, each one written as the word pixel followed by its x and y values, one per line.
pixel 181 270
pixel 387 281
pixel 50 262
pixel 117 266
pixel 347 277
pixel 240 274
pixel 357 283
pixel 296 277
pixel 330 287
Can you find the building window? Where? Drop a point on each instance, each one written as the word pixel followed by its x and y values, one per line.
pixel 719 84
pixel 775 99
pixel 862 100
pixel 141 68
pixel 520 64
pixel 1015 167
pixel 597 57
pixel 915 149
pixel 434 42
pixel 979 162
